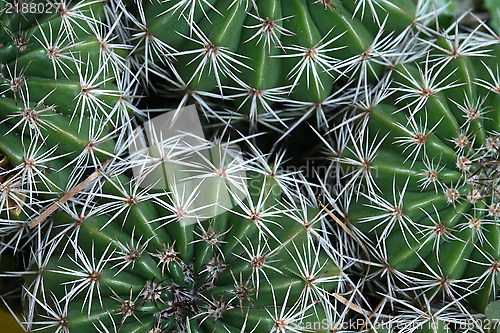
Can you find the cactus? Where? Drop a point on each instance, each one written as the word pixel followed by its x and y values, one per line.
pixel 189 236
pixel 221 249
pixel 420 173
pixel 267 61
pixel 64 88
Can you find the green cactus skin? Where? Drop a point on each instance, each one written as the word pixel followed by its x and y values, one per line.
pixel 60 56
pixel 60 104
pixel 158 266
pixel 427 166
pixel 258 53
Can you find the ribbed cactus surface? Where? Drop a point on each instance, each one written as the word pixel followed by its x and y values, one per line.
pixel 185 259
pixel 194 236
pixel 422 173
pixel 257 55
pixel 63 98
